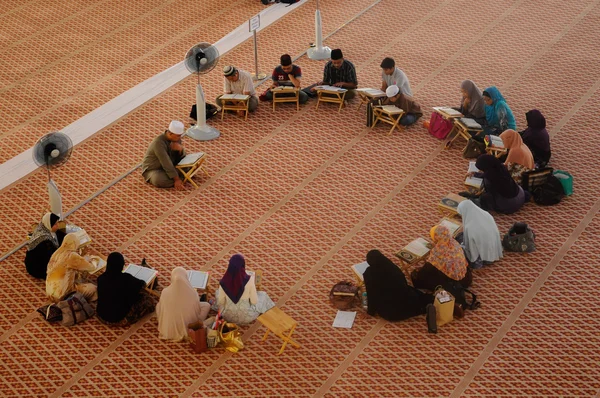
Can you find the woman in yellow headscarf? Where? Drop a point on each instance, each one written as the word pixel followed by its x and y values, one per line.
pixel 63 272
pixel 446 263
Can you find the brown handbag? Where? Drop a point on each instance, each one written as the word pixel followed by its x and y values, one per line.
pixel 344 295
pixel 197 334
pixel 473 149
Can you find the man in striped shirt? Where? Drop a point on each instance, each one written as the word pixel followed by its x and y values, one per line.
pixel 340 73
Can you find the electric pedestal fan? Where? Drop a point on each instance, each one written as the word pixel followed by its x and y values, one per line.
pixel 51 151
pixel 201 59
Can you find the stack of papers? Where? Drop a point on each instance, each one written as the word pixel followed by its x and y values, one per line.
pixel 344 319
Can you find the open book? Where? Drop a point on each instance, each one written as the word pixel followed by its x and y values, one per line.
pixel 83 237
pixel 447 111
pixel 98 262
pixel 284 88
pixel 371 92
pixel 330 88
pixel 453 226
pixel 359 269
pixel 474 182
pixel 470 123
pixel 190 158
pixel 494 141
pixel 415 250
pixel 198 279
pixel 241 97
pixel 391 108
pixel 146 274
pixel 450 202
pixel 473 168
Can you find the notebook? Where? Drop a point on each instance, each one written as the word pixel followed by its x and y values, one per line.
pixel 474 182
pixel 470 123
pixel 198 279
pixel 190 158
pixel 359 269
pixel 143 273
pixel 235 96
pixel 447 111
pixel 371 92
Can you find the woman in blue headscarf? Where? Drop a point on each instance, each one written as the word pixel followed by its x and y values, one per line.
pixel 498 115
pixel 237 297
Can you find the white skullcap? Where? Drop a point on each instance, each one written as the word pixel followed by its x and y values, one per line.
pixel 392 91
pixel 176 127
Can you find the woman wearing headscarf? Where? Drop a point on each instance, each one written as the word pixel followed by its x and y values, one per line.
pixel 179 305
pixel 43 242
pixel 472 105
pixel 519 159
pixel 498 115
pixel 446 263
pixel 64 269
pixel 501 193
pixel 412 110
pixel 536 137
pixel 481 238
pixel 122 299
pixel 237 298
pixel 388 293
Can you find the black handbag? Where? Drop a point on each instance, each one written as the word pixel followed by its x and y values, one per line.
pixel 473 149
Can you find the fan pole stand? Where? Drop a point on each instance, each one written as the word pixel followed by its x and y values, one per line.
pixel 318 52
pixel 257 75
pixel 202 131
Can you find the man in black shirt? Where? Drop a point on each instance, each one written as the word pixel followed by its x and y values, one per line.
pixel 340 73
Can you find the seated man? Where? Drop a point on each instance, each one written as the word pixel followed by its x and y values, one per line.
pixel 238 81
pixel 287 74
pixel 339 73
pixel 165 151
pixel 412 110
pixel 393 76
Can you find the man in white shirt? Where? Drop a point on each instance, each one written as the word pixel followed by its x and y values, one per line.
pixel 238 81
pixel 392 76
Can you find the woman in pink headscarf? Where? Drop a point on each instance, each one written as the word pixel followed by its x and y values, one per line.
pixel 237 298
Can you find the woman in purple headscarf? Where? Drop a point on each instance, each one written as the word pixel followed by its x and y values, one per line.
pixel 536 137
pixel 237 298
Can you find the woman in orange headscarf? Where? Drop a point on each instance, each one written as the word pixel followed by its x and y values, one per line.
pixel 520 158
pixel 446 263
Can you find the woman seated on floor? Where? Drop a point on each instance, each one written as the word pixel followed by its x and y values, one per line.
pixel 500 192
pixel 43 242
pixel 388 293
pixel 519 159
pixel 472 105
pixel 179 305
pixel 237 298
pixel 498 115
pixel 64 272
pixel 480 236
pixel 412 110
pixel 445 265
pixel 536 138
pixel 122 299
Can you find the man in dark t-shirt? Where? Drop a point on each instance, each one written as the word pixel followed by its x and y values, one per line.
pixel 287 74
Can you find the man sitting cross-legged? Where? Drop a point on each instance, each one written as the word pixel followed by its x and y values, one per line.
pixel 163 154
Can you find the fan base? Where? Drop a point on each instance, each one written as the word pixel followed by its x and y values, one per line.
pixel 319 53
pixel 203 133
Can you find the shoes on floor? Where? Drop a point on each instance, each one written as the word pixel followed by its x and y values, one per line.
pixel 458 311
pixel 431 321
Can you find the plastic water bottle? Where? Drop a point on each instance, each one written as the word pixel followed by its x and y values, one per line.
pixel 364 301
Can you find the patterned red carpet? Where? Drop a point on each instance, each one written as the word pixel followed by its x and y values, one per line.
pixel 303 195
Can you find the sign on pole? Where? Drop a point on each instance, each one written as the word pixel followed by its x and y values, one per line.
pixel 253 25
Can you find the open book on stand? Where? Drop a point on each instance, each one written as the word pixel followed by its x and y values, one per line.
pixel 241 97
pixel 190 158
pixel 146 274
pixel 198 279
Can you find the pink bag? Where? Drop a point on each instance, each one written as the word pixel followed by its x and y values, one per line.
pixel 438 126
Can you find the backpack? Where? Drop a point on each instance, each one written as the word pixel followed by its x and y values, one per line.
pixel 519 238
pixel 439 127
pixel 211 110
pixel 549 193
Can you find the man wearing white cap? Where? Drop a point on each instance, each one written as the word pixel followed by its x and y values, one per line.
pixel 238 81
pixel 165 151
pixel 412 110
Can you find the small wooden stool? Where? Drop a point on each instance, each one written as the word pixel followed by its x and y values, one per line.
pixel 235 102
pixel 286 94
pixel 366 95
pixel 278 322
pixel 495 151
pixel 333 96
pixel 460 130
pixel 389 114
pixel 190 169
